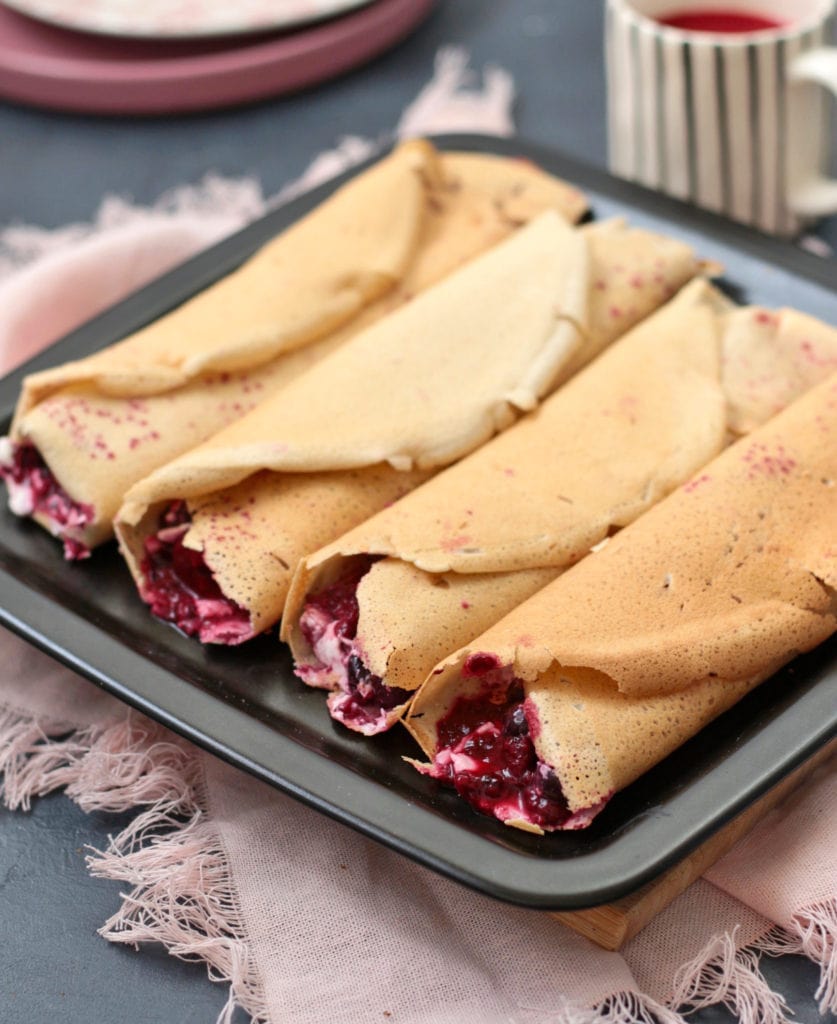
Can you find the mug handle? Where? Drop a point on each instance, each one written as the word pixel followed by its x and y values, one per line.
pixel 816 196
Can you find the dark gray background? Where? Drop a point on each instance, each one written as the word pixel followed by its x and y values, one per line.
pixel 54 168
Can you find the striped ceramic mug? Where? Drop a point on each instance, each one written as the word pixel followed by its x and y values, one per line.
pixel 735 122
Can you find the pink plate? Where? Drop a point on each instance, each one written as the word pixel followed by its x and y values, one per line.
pixel 65 70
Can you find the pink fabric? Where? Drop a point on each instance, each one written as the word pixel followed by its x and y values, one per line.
pixel 291 908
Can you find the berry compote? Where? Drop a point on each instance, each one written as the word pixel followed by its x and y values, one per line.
pixel 34 491
pixel 179 586
pixel 485 751
pixel 359 699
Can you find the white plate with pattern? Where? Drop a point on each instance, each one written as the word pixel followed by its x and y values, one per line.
pixel 181 19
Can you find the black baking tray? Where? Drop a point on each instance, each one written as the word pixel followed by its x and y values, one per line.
pixel 246 706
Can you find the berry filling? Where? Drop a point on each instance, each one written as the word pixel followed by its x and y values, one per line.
pixel 34 491
pixel 359 699
pixel 485 750
pixel 179 587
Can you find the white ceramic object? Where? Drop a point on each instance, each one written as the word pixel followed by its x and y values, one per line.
pixel 181 19
pixel 733 122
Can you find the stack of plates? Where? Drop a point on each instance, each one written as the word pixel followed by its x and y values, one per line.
pixel 171 56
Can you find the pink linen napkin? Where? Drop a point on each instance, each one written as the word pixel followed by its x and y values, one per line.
pixel 289 908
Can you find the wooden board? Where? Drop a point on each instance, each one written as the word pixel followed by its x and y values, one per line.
pixel 613 924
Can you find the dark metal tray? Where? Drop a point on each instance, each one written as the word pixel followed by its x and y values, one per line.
pixel 245 705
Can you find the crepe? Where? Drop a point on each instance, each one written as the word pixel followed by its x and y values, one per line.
pixel 609 668
pixel 86 431
pixel 411 394
pixel 423 577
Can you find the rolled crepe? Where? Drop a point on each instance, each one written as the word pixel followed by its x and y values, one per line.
pixel 86 431
pixel 608 669
pixel 370 615
pixel 411 394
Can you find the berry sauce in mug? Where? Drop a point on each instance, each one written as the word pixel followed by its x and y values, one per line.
pixel 728 21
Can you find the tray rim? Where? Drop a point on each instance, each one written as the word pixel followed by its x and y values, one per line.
pixel 202 717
